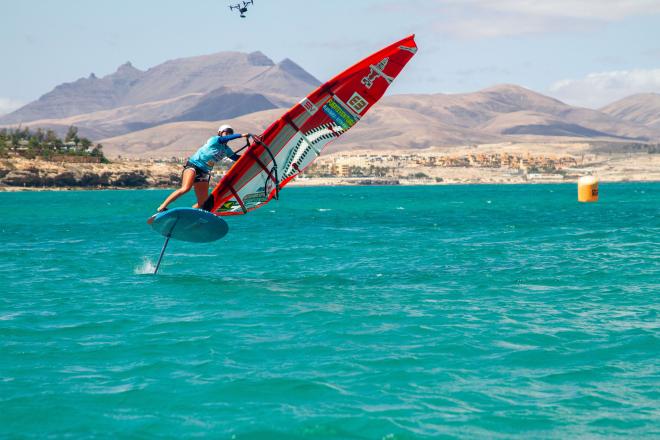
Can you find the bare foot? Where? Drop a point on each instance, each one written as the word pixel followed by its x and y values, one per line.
pixel 151 219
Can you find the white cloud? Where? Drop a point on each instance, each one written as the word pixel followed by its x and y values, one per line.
pixel 498 18
pixel 607 10
pixel 598 89
pixel 8 105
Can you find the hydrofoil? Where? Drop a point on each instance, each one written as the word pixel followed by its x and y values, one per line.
pixel 187 224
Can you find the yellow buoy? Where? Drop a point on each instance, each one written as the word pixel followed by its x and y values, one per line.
pixel 587 189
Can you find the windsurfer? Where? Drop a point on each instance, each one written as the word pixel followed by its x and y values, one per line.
pixel 197 170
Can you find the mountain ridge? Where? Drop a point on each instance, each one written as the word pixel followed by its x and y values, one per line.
pixel 204 90
pixel 405 122
pixel 641 108
pixel 200 74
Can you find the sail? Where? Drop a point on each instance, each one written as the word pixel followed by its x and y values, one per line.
pixel 290 144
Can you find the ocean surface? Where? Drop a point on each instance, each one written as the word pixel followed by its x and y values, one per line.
pixel 389 313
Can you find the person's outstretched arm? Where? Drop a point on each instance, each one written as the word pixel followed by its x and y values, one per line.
pixel 235 156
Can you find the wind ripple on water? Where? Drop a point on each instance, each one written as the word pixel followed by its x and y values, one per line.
pixel 350 318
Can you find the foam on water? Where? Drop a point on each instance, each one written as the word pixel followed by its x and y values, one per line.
pixel 146 267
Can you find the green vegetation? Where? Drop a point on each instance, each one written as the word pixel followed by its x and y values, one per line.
pixel 45 144
pixel 419 175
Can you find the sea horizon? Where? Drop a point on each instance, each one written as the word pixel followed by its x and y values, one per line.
pixel 312 183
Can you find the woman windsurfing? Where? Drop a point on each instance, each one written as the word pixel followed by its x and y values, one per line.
pixel 197 170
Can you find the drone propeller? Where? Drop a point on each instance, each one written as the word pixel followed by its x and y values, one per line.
pixel 242 9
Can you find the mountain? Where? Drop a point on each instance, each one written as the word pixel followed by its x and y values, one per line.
pixel 221 103
pixel 180 139
pixel 642 109
pixel 241 82
pixel 224 103
pixel 174 107
pixel 509 109
pixel 285 78
pixel 82 96
pixel 502 113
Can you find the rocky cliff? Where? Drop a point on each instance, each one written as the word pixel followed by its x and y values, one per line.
pixel 42 174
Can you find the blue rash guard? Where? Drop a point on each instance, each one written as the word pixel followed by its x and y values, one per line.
pixel 213 150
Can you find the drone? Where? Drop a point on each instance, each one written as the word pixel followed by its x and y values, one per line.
pixel 241 9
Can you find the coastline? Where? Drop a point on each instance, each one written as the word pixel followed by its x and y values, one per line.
pixel 329 182
pixel 18 174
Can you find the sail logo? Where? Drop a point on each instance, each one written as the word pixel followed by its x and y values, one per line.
pixel 337 113
pixel 377 72
pixel 227 206
pixel 255 198
pixel 357 103
pixel 309 106
pixel 412 50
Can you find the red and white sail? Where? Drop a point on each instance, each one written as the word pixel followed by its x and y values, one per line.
pixel 291 143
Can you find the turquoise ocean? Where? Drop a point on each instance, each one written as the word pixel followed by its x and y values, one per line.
pixel 486 311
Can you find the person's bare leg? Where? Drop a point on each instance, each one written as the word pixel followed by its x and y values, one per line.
pixel 202 192
pixel 187 181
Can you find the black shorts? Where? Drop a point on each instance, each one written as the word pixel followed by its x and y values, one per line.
pixel 200 174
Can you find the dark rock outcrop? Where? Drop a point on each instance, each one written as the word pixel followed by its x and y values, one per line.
pixel 37 174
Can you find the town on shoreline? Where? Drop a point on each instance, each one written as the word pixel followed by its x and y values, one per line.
pixel 39 159
pixel 506 164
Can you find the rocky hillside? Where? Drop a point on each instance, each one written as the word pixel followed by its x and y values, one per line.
pixel 41 174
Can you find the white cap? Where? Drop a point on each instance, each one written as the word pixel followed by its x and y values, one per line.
pixel 226 127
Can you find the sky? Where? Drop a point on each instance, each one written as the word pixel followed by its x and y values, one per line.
pixel 583 52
